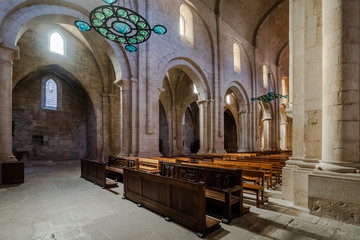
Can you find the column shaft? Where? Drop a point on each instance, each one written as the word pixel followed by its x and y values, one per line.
pixel 6 68
pixel 340 103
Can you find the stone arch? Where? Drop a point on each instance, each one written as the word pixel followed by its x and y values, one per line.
pixel 31 15
pixel 193 71
pixel 203 99
pixel 81 128
pixel 241 115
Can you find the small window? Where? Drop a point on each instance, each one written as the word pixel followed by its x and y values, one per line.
pixel 57 43
pixel 183 119
pixel 51 94
pixel 186 24
pixel 182 25
pixel 228 99
pixel 237 60
pixel 195 89
pixel 266 76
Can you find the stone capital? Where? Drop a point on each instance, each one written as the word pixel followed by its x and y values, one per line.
pixel 122 82
pixel 8 54
pixel 201 102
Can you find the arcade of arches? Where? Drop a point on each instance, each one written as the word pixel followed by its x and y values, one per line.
pixel 189 91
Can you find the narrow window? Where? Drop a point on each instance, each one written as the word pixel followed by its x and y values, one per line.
pixel 237 60
pixel 57 43
pixel 182 25
pixel 228 100
pixel 266 76
pixel 186 24
pixel 51 94
pixel 195 89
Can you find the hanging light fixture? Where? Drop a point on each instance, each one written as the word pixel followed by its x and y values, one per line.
pixel 270 96
pixel 120 24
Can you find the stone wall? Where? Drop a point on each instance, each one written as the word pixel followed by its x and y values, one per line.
pixel 63 134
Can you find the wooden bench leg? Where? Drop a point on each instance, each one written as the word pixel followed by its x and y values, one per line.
pixel 257 199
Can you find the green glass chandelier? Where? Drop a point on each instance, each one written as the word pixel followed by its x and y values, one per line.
pixel 120 24
pixel 270 96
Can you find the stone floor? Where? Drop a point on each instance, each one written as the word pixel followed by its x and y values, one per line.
pixel 55 203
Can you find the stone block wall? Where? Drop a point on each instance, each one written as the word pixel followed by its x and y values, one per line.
pixel 45 134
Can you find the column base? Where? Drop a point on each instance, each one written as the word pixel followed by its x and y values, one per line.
pixel 7 158
pixel 295 180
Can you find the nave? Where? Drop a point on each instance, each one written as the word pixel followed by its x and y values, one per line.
pixel 55 203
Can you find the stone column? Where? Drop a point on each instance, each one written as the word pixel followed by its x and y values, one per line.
pixel 6 68
pixel 340 102
pixel 243 118
pixel 134 118
pixel 203 109
pixel 266 122
pixel 125 117
pixel 106 127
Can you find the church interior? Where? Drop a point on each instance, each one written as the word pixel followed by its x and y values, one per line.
pixel 179 119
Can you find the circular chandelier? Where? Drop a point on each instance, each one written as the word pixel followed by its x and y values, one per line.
pixel 270 96
pixel 120 24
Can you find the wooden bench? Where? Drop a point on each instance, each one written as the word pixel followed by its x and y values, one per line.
pixel 115 165
pixel 255 188
pixel 164 159
pixel 265 167
pixel 223 186
pixel 182 201
pixel 95 172
pixel 148 165
pixel 254 179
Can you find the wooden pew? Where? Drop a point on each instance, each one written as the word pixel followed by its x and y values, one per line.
pixel 115 165
pixel 148 165
pixel 255 188
pixel 164 159
pixel 254 175
pixel 266 167
pixel 223 186
pixel 183 159
pixel 182 201
pixel 95 172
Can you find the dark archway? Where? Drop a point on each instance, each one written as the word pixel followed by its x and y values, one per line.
pixel 67 132
pixel 163 131
pixel 230 135
pixel 190 129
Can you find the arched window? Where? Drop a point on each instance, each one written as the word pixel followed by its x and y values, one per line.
pixel 266 75
pixel 186 24
pixel 182 25
pixel 195 89
pixel 51 94
pixel 57 43
pixel 228 99
pixel 237 59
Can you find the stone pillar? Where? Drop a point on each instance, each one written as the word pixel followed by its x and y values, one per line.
pixel 6 68
pixel 134 118
pixel 125 117
pixel 105 152
pixel 243 118
pixel 340 102
pixel 177 139
pixel 203 110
